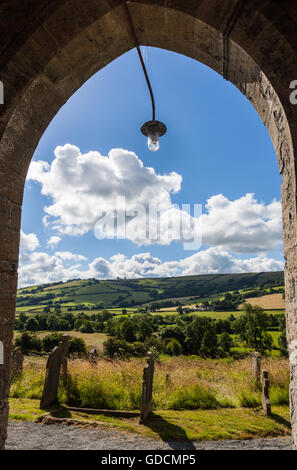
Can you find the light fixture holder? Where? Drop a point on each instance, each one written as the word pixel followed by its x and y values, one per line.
pixel 152 127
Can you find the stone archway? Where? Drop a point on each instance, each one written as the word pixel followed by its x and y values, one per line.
pixel 49 48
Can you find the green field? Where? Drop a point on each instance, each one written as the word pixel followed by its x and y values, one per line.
pixel 134 292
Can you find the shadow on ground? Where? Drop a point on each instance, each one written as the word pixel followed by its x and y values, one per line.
pixel 169 432
pixel 58 412
pixel 281 420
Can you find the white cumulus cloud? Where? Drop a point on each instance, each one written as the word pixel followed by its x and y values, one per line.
pixel 54 241
pixel 85 189
pixel 39 267
pixel 29 241
pixel 67 255
pixel 242 226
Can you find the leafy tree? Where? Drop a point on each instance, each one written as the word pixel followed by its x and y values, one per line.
pixel 110 328
pixel 282 339
pixel 225 342
pixel 20 321
pixel 31 324
pixel 69 317
pixel 194 333
pixel 106 315
pixel 64 325
pixel 144 330
pixel 173 331
pixel 282 342
pixel 41 321
pixel 86 327
pixel 251 325
pixel 77 324
pixel 127 330
pixel 57 308
pixel 98 326
pixel 52 322
pixel 223 326
pixel 209 341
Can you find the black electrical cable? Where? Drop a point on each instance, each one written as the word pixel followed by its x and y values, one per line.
pixel 140 57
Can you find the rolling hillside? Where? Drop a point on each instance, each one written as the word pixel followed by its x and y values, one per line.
pixel 134 292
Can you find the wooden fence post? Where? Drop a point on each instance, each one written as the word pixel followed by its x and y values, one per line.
pixel 265 393
pixel 147 388
pixel 256 365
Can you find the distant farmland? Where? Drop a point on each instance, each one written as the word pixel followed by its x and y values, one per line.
pixel 268 302
pixel 134 292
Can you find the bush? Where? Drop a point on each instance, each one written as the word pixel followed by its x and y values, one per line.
pixel 173 347
pixel 86 327
pixel 50 341
pixel 64 325
pixel 153 343
pixel 29 343
pixel 138 349
pixel 117 348
pixel 78 347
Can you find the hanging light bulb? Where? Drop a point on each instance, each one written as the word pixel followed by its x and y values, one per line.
pixel 153 130
pixel 153 142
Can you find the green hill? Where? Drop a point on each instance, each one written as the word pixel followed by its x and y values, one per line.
pixel 134 292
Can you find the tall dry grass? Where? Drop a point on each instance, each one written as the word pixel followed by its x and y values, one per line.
pixel 179 383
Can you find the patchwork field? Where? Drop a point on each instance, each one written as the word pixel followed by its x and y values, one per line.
pixel 268 302
pixel 131 292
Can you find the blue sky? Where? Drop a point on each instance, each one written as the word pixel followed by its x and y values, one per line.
pixel 215 141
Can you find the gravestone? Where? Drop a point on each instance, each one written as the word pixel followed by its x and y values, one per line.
pixel 265 393
pixel 64 345
pixel 93 356
pixel 52 376
pixel 17 360
pixel 256 365
pixel 147 388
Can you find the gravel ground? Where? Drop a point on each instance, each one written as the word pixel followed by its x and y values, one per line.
pixel 28 435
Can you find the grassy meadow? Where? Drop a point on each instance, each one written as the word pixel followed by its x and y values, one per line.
pixel 193 399
pixel 179 383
